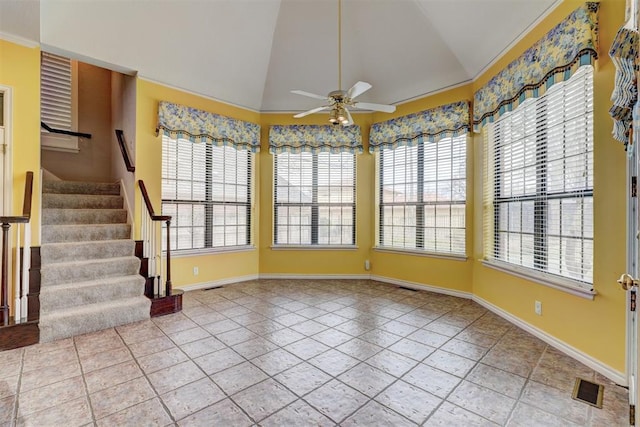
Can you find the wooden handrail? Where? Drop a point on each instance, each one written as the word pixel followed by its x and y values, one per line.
pixel 167 220
pixel 6 224
pixel 64 132
pixel 26 206
pixel 147 202
pixel 124 151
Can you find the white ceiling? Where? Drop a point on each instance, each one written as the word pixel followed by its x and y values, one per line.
pixel 252 53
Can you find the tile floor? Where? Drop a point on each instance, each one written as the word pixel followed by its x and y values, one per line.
pixel 304 353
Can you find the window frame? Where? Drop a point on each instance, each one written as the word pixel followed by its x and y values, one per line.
pixel 209 204
pixel 419 217
pixel 315 206
pixel 491 214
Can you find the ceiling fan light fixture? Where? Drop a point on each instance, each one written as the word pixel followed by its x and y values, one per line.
pixel 333 116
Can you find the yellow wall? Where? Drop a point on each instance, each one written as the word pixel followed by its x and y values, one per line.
pixel 148 168
pixel 316 261
pixel 20 70
pixel 594 327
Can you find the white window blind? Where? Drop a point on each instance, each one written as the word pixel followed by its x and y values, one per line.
pixel 207 191
pixel 58 100
pixel 314 200
pixel 538 193
pixel 422 197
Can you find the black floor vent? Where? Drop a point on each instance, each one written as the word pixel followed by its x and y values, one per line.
pixel 588 392
pixel 407 289
pixel 213 288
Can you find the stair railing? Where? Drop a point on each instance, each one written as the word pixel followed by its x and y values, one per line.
pixel 22 263
pixel 125 153
pixel 150 232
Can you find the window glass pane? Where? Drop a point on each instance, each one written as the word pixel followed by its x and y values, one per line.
pixel 314 198
pixel 212 186
pixel 539 165
pixel 429 177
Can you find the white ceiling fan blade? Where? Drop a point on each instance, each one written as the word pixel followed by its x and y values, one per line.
pixel 375 107
pixel 313 110
pixel 349 118
pixel 309 94
pixel 358 89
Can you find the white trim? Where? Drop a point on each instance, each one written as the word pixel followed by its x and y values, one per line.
pixel 217 283
pixel 127 207
pixel 542 279
pixel 313 247
pixel 200 95
pixel 422 287
pixel 614 375
pixel 315 276
pixel 23 41
pixel 7 158
pixel 399 251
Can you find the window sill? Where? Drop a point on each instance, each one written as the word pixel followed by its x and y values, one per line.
pixel 208 251
pixel 565 285
pixel 420 253
pixel 314 247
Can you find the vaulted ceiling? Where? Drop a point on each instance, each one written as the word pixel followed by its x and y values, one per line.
pixel 252 53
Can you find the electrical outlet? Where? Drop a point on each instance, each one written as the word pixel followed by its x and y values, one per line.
pixel 367 265
pixel 195 271
pixel 538 308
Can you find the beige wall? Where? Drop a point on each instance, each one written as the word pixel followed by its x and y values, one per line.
pixel 93 161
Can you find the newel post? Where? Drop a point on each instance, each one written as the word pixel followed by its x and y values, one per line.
pixel 168 282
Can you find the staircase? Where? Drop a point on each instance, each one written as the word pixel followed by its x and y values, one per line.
pixel 89 274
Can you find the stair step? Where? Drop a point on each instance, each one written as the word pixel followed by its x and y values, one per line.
pixel 81 201
pixel 83 233
pixel 93 317
pixel 74 187
pixel 90 292
pixel 95 269
pixel 78 251
pixel 53 216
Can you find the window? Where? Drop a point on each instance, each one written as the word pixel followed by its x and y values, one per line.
pixel 207 191
pixel 58 101
pixel 422 194
pixel 539 183
pixel 314 199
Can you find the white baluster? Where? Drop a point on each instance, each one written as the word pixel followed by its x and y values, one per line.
pixel 16 279
pixel 26 265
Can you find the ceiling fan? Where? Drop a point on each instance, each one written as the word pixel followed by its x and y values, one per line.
pixel 339 101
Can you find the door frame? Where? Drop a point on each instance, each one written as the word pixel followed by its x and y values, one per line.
pixel 7 170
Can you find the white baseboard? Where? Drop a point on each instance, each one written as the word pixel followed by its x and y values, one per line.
pixel 315 276
pixel 422 287
pixel 218 283
pixel 614 375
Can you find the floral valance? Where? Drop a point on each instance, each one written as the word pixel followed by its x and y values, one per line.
pixel 180 121
pixel 315 138
pixel 624 55
pixel 554 58
pixel 430 125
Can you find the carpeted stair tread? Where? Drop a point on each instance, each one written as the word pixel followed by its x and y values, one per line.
pixel 89 275
pixel 78 251
pixel 78 271
pixel 92 317
pixel 81 201
pixel 57 216
pixel 83 233
pixel 76 187
pixel 90 292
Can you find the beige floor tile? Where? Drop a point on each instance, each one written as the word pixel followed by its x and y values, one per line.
pixel 47 375
pixel 554 401
pixel 149 413
pixel 482 401
pixel 374 414
pixel 435 381
pixel 408 400
pixel 191 398
pixel 112 375
pixel 50 396
pixel 72 413
pixel 449 415
pixel 238 378
pixel 175 376
pixel 115 399
pixel 303 378
pixel 497 380
pixel 224 413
